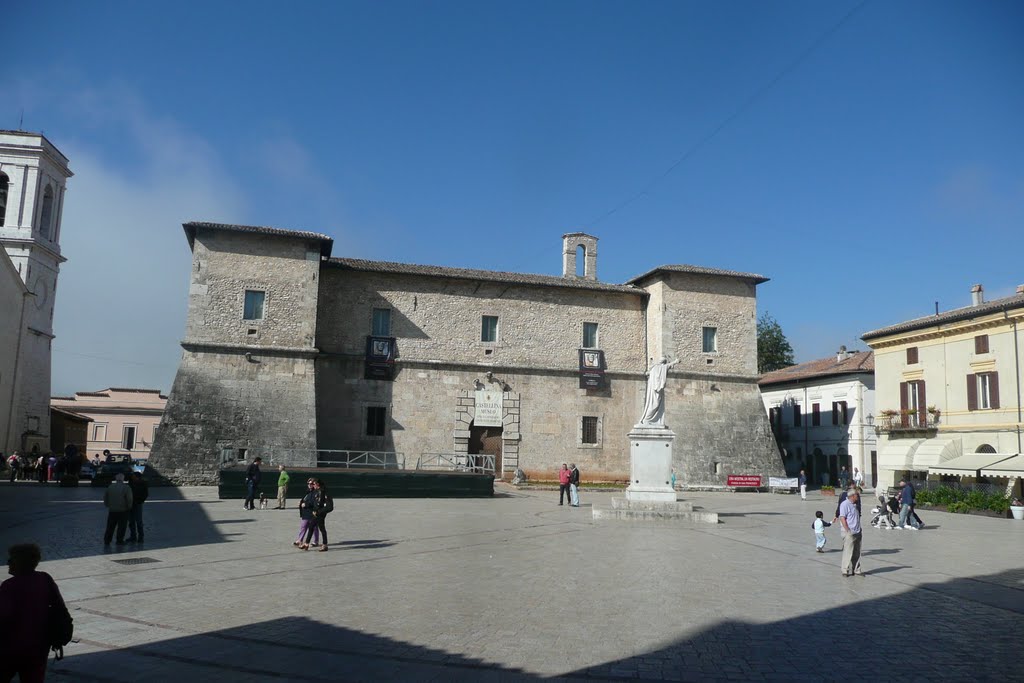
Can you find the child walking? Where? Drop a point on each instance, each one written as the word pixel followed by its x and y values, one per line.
pixel 819 525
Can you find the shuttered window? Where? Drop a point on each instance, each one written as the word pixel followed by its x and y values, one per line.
pixel 839 413
pixel 911 355
pixel 983 391
pixel 796 415
pixel 815 415
pixel 913 403
pixel 375 420
pixel 981 343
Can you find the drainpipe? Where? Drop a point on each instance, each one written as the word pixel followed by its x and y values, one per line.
pixel 1016 364
pixel 803 418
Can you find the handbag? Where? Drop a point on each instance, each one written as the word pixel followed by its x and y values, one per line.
pixel 59 625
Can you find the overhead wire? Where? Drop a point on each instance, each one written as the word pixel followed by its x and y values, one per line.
pixel 747 104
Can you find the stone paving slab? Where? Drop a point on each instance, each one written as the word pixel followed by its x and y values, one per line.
pixel 517 588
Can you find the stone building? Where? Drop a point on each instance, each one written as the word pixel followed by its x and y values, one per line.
pixel 33 175
pixel 292 354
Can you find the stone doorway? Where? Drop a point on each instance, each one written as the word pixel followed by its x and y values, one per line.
pixel 504 439
pixel 485 441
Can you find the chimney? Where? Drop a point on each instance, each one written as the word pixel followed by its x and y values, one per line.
pixel 841 354
pixel 977 295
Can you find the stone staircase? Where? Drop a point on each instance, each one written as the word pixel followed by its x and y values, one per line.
pixel 648 511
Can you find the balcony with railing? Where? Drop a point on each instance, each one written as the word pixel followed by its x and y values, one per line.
pixel 897 421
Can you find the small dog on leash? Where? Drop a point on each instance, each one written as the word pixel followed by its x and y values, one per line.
pixel 263 501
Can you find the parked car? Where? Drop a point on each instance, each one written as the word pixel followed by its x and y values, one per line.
pixel 87 471
pixel 116 463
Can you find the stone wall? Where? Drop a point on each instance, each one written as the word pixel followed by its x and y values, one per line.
pixel 439 319
pixel 223 400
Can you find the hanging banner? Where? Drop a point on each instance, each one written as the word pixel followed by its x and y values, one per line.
pixel 380 358
pixel 592 369
pixel 488 408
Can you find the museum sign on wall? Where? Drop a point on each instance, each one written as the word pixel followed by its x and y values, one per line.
pixel 488 408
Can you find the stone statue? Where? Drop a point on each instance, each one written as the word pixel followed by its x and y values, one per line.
pixel 654 405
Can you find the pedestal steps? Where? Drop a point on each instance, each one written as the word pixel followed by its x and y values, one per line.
pixel 648 511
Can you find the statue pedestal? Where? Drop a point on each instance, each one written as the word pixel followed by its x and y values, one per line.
pixel 650 465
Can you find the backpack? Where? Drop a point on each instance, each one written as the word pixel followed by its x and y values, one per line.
pixel 328 505
pixel 59 624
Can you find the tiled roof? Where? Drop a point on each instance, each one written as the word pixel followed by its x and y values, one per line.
pixel 325 242
pixel 857 362
pixel 700 270
pixel 70 413
pixel 486 275
pixel 957 314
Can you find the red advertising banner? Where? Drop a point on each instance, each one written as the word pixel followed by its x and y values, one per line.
pixel 744 480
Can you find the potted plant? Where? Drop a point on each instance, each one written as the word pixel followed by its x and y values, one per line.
pixel 1017 508
pixel 828 491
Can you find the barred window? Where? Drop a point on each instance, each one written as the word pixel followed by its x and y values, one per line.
pixel 589 429
pixel 375 416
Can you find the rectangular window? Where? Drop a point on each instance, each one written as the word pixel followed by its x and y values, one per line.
pixel 983 391
pixel 128 437
pixel 381 322
pixel 911 355
pixel 589 429
pixel 590 335
pixel 240 454
pixel 796 415
pixel 375 417
pixel 489 328
pixel 254 304
pixel 815 415
pixel 99 432
pixel 839 414
pixel 227 454
pixel 710 344
pixel 981 343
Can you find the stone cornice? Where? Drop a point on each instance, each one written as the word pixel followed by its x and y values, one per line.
pixel 242 349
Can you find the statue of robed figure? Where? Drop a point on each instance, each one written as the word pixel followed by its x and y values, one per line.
pixel 654 405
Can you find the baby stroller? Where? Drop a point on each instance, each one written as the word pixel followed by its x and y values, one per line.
pixel 887 506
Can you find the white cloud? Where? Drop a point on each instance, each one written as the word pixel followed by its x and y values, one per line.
pixel 122 295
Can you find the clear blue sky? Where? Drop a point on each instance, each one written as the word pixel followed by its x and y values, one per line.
pixel 868 178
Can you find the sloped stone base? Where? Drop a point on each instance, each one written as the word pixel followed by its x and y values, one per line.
pixel 649 511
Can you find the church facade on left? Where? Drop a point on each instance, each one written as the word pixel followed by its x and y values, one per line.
pixel 33 181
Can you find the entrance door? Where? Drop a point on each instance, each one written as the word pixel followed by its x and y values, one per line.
pixel 485 441
pixel 874 469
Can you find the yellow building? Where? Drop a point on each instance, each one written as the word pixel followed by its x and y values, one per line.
pixel 948 394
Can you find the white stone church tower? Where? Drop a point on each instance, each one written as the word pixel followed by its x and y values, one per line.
pixel 33 177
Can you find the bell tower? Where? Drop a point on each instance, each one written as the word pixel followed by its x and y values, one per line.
pixel 33 179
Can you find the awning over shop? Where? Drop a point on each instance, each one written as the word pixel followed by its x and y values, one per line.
pixel 970 464
pixel 936 452
pixel 899 454
pixel 1010 467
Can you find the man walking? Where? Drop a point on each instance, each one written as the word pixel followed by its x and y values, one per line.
pixel 849 517
pixel 118 499
pixel 803 485
pixel 574 486
pixel 282 487
pixel 140 492
pixel 858 478
pixel 906 500
pixel 252 483
pixel 844 478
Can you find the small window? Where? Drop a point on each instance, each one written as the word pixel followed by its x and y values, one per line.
pixel 99 432
pixel 381 322
pixel 128 437
pixel 590 335
pixel 815 414
pixel 5 183
pixel 489 329
pixel 375 416
pixel 227 454
pixel 589 429
pixel 911 355
pixel 46 215
pixel 240 454
pixel 254 304
pixel 796 415
pixel 981 343
pixel 839 414
pixel 710 340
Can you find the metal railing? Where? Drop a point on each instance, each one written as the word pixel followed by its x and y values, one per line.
pixel 385 460
pixel 907 421
pixel 457 462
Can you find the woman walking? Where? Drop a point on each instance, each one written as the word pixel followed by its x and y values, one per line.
pixel 324 506
pixel 306 507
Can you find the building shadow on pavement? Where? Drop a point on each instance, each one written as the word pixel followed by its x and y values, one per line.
pixel 960 630
pixel 69 522
pixel 290 648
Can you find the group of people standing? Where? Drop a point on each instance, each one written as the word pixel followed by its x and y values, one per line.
pixel 124 509
pixel 569 484
pixel 43 467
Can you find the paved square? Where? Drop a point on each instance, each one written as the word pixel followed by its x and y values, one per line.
pixel 518 588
